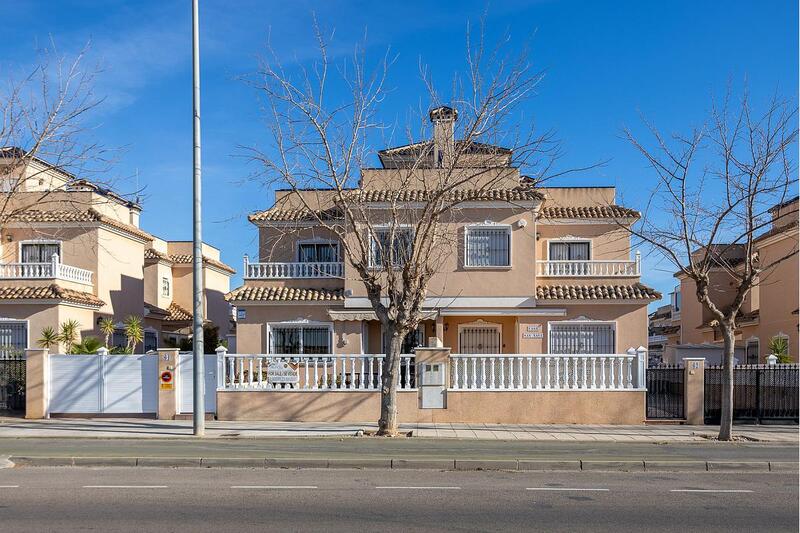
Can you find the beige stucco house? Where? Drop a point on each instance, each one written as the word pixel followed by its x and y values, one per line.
pixel 769 311
pixel 72 250
pixel 535 270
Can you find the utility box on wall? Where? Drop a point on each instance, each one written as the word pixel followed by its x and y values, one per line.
pixel 432 390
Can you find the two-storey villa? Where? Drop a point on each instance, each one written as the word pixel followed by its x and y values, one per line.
pixel 71 250
pixel 536 270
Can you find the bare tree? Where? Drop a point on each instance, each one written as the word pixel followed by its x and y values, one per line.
pixel 396 233
pixel 45 142
pixel 713 194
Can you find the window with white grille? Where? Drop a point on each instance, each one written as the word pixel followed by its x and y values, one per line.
pixel 390 246
pixel 582 338
pixel 164 286
pixel 308 340
pixel 487 246
pixel 39 252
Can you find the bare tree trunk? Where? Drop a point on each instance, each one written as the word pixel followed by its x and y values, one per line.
pixel 726 417
pixel 387 425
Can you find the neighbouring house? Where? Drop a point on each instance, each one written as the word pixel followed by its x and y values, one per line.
pixel 664 328
pixel 72 250
pixel 769 311
pixel 542 270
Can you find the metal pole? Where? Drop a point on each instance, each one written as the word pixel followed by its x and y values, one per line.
pixel 197 239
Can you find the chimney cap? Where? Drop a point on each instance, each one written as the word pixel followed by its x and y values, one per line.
pixel 443 113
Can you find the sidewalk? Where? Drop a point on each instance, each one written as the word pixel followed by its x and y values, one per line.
pixel 136 428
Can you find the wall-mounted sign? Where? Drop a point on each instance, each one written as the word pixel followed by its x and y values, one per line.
pixel 532 335
pixel 165 380
pixel 535 328
pixel 241 313
pixel 282 372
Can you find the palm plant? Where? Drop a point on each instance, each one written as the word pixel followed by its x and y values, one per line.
pixel 134 331
pixel 779 346
pixel 107 328
pixel 88 345
pixel 69 334
pixel 49 338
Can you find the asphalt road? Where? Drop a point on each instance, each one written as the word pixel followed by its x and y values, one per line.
pixel 351 447
pixel 197 500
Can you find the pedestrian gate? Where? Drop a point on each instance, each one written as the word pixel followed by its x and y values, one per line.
pixel 665 392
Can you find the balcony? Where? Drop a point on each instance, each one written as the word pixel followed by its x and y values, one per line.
pixel 55 269
pixel 590 269
pixel 292 270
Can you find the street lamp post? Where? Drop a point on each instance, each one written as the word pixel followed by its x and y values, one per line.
pixel 197 239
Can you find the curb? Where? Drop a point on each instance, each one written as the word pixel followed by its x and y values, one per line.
pixel 505 465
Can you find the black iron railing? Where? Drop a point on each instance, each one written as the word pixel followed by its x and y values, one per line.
pixel 761 393
pixel 665 385
pixel 12 384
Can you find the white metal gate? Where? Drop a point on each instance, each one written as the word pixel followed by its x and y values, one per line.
pixel 13 338
pixel 103 384
pixel 186 383
pixel 582 338
pixel 479 340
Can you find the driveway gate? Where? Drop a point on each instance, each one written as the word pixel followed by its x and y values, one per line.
pixel 761 393
pixel 665 387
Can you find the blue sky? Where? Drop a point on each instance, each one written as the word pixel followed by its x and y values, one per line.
pixel 607 64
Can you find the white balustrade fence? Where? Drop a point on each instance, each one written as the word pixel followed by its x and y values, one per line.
pixel 548 372
pixel 603 269
pixel 54 269
pixel 356 372
pixel 292 270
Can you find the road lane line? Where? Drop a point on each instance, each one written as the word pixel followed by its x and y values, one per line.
pixel 274 487
pixel 9 486
pixel 567 489
pixel 124 486
pixel 711 490
pixel 419 488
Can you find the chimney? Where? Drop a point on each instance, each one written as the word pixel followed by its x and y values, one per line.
pixel 444 120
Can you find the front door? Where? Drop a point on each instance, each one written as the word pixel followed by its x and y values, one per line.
pixel 484 339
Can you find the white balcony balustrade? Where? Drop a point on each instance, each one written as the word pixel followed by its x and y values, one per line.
pixel 590 268
pixel 55 269
pixel 325 372
pixel 292 270
pixel 504 372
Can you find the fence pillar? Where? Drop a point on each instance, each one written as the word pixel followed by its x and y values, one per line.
pixel 772 359
pixel 37 373
pixel 221 352
pixel 167 390
pixel 694 389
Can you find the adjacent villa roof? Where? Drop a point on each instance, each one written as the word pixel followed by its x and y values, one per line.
pixel 184 259
pixel 283 294
pixel 276 214
pixel 66 216
pixel 637 291
pixel 595 211
pixel 50 292
pixel 177 314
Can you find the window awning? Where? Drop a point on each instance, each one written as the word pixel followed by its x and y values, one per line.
pixel 366 314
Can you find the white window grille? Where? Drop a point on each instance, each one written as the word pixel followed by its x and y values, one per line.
pixel 395 249
pixel 487 246
pixel 300 340
pixel 582 338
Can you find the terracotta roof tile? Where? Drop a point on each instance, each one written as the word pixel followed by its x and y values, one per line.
pixel 459 195
pixel 283 294
pixel 637 291
pixel 461 145
pixel 183 259
pixel 592 211
pixel 67 216
pixel 152 253
pixel 276 214
pixel 177 314
pixel 50 292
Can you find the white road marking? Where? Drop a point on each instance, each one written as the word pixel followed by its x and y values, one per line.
pixel 419 488
pixel 124 486
pixel 9 486
pixel 711 490
pixel 274 487
pixel 566 489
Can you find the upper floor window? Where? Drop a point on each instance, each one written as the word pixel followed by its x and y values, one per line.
pixel 676 300
pixel 487 246
pixel 164 286
pixel 569 251
pixel 317 252
pixel 394 248
pixel 39 252
pixel 309 340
